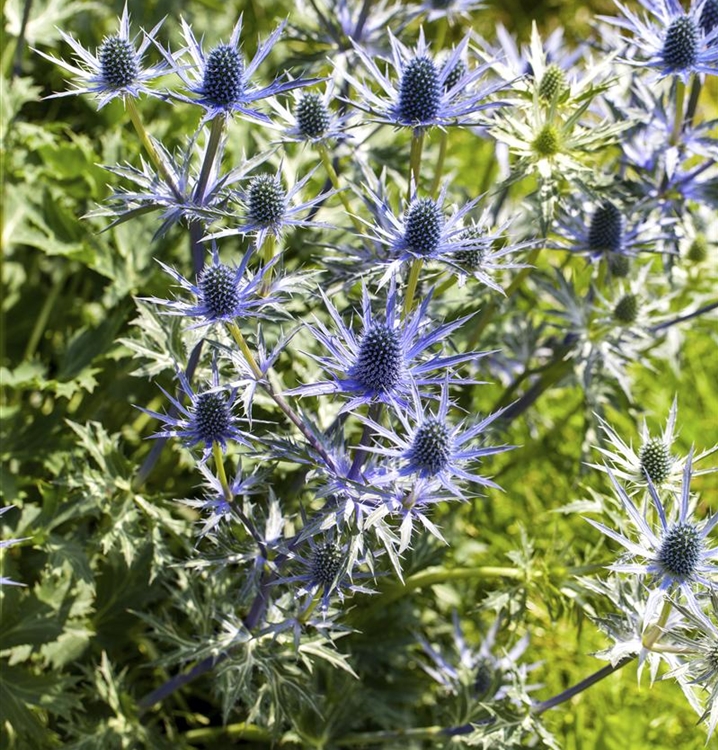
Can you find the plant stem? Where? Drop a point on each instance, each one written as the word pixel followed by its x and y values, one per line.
pixel 360 455
pixel 241 731
pixel 678 122
pixel 334 179
pixel 221 474
pixel 439 171
pixel 150 147
pixel 543 706
pixel 45 311
pixel 417 146
pixel 196 246
pixel 268 248
pixel 683 318
pixel 293 417
pixel 215 138
pixel 411 285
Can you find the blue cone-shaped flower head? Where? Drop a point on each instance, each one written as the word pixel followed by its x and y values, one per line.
pixel 225 293
pixel 672 42
pixel 269 207
pixel 431 446
pixel 676 554
pixel 424 231
pixel 116 70
pixel 420 94
pixel 219 79
pixel 387 359
pixel 310 117
pixel 208 419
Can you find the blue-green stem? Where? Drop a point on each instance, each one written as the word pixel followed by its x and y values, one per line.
pixel 411 285
pixel 417 146
pixel 278 399
pixel 216 132
pixel 680 102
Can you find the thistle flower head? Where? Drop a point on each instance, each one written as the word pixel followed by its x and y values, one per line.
pixel 326 562
pixel 656 461
pixel 225 293
pixel 709 17
pixel 430 446
pixel 674 553
pixel 208 419
pixel 547 142
pixel 698 249
pixel 387 359
pixel 116 70
pixel 313 119
pixel 671 41
pixel 417 93
pixel 478 671
pixel 380 359
pixel 424 230
pixel 423 224
pixel 266 201
pixel 222 76
pixel 269 207
pixel 626 308
pixel 430 450
pixel 220 82
pixel 553 83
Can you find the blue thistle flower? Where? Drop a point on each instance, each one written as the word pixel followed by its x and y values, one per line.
pixel 431 447
pixel 671 41
pixel 423 231
pixel 224 293
pixel 270 207
pixel 311 118
pixel 116 69
pixel 676 556
pixel 611 232
pixel 219 79
pixel 327 567
pixel 387 361
pixel 207 419
pixel 214 506
pixel 416 95
pixel 479 672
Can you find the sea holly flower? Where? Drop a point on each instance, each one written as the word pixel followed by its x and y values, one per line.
pixel 675 555
pixel 451 10
pixel 415 94
pixel 388 359
pixel 219 79
pixel 607 230
pixel 671 41
pixel 489 256
pixel 423 231
pixel 431 447
pixel 326 568
pixel 654 461
pixel 341 21
pixel 207 419
pixel 116 70
pixel 477 671
pixel 224 293
pixel 311 118
pixel 269 207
